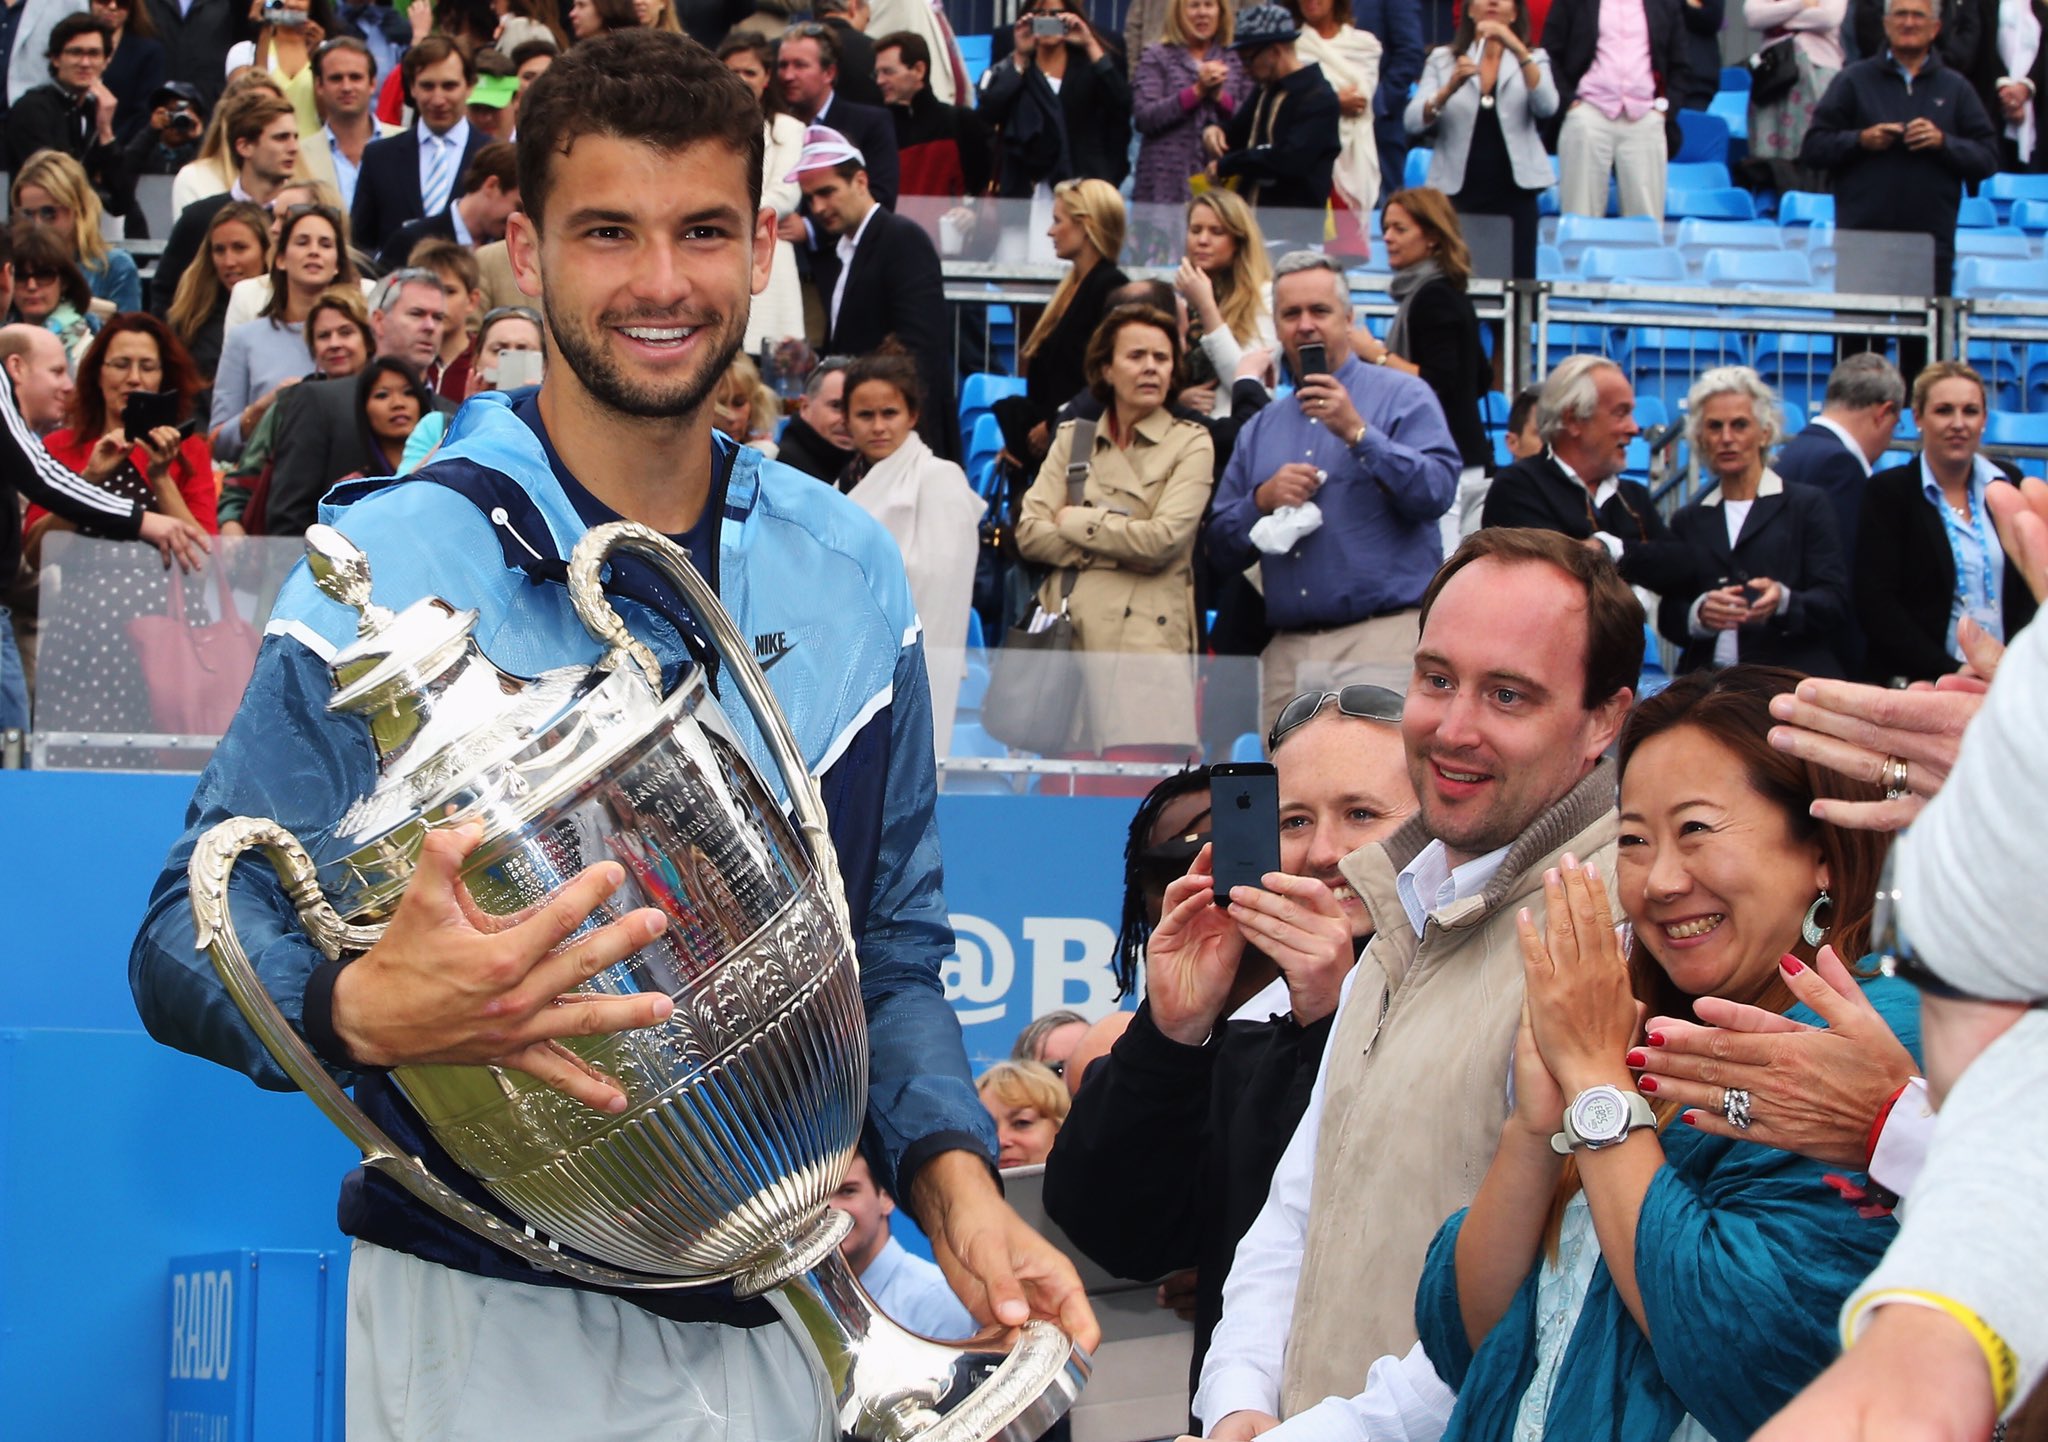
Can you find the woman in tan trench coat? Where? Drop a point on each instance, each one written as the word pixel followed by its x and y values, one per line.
pixel 1130 543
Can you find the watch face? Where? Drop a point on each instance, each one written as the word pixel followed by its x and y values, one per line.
pixel 1600 1114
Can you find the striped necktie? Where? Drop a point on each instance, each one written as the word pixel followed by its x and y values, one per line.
pixel 439 176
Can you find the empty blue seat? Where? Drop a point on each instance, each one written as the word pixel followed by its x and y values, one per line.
pixel 2002 363
pixel 1576 234
pixel 1550 263
pixel 1725 203
pixel 978 396
pixel 2015 428
pixel 1977 275
pixel 1998 242
pixel 1796 366
pixel 1733 78
pixel 1662 362
pixel 1247 747
pixel 1684 174
pixel 1613 264
pixel 1493 409
pixel 974 632
pixel 1908 427
pixel 1732 108
pixel 1650 412
pixel 983 444
pixel 2035 376
pixel 1805 207
pixel 1786 269
pixel 1566 340
pixel 2031 216
pixel 1697 237
pixel 1416 171
pixel 1976 211
pixel 1705 137
pixel 973 685
pixel 2006 189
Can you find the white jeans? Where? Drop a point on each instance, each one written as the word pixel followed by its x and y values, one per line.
pixel 436 1355
pixel 1590 147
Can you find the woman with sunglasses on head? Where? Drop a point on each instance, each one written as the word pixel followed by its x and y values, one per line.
pixel 237 247
pixel 1607 1279
pixel 263 357
pixel 51 190
pixel 51 291
pixel 136 67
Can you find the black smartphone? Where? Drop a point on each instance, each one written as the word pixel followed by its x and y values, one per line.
pixel 1244 824
pixel 144 411
pixel 1314 362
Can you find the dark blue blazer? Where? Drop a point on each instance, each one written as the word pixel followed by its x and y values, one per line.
pixel 1790 538
pixel 388 188
pixel 1819 458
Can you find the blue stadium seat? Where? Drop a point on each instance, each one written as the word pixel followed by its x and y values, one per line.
pixel 1416 171
pixel 1550 263
pixel 1732 108
pixel 1975 212
pixel 1908 428
pixel 1757 269
pixel 979 394
pixel 2031 216
pixel 973 685
pixel 1796 366
pixel 983 444
pixel 2037 376
pixel 1705 137
pixel 974 54
pixel 1567 340
pixel 2002 363
pixel 1998 242
pixel 1977 276
pixel 969 739
pixel 1654 677
pixel 1650 412
pixel 1805 207
pixel 1735 78
pixel 1698 237
pixel 1726 203
pixel 974 632
pixel 1493 409
pixel 1682 174
pixel 2015 428
pixel 2005 189
pixel 1247 747
pixel 1648 267
pixel 1662 363
pixel 1576 234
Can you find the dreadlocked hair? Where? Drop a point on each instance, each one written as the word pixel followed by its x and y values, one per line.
pixel 1133 931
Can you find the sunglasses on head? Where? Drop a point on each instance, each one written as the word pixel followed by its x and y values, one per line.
pixel 1361 702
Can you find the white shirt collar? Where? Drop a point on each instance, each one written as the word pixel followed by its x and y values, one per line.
pixel 462 235
pixel 1602 494
pixel 456 134
pixel 1271 1001
pixel 1772 484
pixel 1855 446
pixel 1429 883
pixel 1982 474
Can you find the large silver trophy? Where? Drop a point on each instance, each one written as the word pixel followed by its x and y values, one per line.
pixel 745 1105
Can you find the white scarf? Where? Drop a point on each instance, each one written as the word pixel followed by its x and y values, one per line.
pixel 1350 58
pixel 2019 45
pixel 935 516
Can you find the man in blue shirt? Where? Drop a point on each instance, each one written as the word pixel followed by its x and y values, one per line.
pixel 643 237
pixel 1370 448
pixel 910 1290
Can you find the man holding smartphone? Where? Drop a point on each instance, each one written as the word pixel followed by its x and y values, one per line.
pixel 1370 447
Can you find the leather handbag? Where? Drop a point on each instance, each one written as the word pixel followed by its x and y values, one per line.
pixel 1034 686
pixel 1773 71
pixel 195 674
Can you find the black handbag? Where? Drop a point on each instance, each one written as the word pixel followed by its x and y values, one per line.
pixel 1034 685
pixel 1773 71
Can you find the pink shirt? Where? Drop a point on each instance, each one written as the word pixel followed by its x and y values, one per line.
pixel 1619 83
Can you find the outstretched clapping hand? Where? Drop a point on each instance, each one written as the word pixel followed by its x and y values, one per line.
pixel 451 984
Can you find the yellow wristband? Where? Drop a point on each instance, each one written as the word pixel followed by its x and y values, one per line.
pixel 2004 1363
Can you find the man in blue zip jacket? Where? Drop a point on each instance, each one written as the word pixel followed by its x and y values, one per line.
pixel 1899 134
pixel 643 237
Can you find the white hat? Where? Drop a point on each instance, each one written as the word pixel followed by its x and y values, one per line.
pixel 241 53
pixel 824 148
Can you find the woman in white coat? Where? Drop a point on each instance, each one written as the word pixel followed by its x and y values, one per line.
pixel 1350 59
pixel 777 312
pixel 1479 99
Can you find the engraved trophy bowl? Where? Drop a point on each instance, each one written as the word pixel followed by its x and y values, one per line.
pixel 745 1105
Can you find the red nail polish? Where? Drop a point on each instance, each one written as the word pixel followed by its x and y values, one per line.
pixel 1655 1038
pixel 1647 1083
pixel 1688 1120
pixel 1791 964
pixel 1636 1059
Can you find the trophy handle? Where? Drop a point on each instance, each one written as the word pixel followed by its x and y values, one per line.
pixel 625 651
pixel 212 861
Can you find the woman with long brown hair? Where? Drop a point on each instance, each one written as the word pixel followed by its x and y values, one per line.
pixel 237 247
pixel 1608 1279
pixel 261 358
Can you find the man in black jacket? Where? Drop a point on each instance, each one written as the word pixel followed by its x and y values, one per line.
pixel 942 149
pixel 815 441
pixel 848 22
pixel 1281 147
pixel 877 275
pixel 1898 135
pixel 74 113
pixel 1616 89
pixel 263 136
pixel 807 77
pixel 414 173
pixel 1165 1159
pixel 1857 419
pixel 1586 417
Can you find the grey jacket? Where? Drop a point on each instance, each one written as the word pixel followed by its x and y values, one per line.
pixel 1519 108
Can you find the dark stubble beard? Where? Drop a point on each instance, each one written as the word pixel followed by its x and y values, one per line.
pixel 586 356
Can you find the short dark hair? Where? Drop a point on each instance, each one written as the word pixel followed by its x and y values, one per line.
pixel 72 26
pixel 341 45
pixel 891 365
pixel 497 161
pixel 1524 406
pixel 912 46
pixel 1102 346
pixel 1614 617
pixel 39 248
pixel 821 35
pixel 405 370
pixel 1158 294
pixel 527 50
pixel 652 86
pixel 432 51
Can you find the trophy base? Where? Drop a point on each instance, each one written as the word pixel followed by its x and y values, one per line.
pixel 891 1385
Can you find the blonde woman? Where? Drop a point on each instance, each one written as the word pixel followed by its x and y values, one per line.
pixel 212 172
pixel 1226 278
pixel 1190 80
pixel 745 409
pixel 1350 59
pixel 1029 1105
pixel 51 189
pixel 1087 232
pixel 285 41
